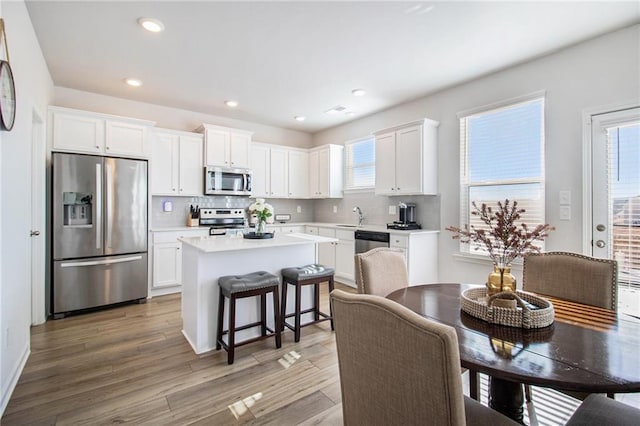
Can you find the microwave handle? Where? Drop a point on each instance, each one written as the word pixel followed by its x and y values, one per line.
pixel 247 182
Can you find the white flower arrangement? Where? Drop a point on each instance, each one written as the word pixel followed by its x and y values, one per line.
pixel 262 210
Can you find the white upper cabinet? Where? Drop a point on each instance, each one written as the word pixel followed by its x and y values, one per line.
pixel 298 173
pixel 225 147
pixel 406 159
pixel 326 171
pixel 98 134
pixel 261 170
pixel 176 163
pixel 278 171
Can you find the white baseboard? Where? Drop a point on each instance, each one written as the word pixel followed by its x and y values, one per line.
pixel 15 376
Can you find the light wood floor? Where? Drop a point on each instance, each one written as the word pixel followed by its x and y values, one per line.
pixel 131 364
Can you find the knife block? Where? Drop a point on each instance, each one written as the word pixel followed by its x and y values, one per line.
pixel 193 221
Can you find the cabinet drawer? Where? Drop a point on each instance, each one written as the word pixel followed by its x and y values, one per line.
pixel 401 241
pixel 345 235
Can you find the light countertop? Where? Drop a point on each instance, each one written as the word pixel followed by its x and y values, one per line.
pixel 209 244
pixel 377 228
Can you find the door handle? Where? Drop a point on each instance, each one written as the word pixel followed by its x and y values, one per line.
pixel 98 210
pixel 34 233
pixel 600 244
pixel 100 262
pixel 109 202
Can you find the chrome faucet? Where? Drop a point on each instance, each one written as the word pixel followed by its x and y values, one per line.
pixel 356 209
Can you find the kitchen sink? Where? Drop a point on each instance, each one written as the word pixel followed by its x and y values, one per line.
pixel 348 226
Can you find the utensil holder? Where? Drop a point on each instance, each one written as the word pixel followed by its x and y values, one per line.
pixel 193 221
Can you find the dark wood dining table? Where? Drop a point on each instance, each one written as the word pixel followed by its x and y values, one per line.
pixel 586 349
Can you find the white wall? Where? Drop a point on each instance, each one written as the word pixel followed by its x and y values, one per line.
pixel 173 118
pixel 597 72
pixel 34 90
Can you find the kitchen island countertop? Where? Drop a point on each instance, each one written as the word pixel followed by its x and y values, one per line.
pixel 211 244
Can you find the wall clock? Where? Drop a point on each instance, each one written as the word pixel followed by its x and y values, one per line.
pixel 7 86
pixel 7 96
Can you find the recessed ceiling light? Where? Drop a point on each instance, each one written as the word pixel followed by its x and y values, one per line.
pixel 358 92
pixel 300 117
pixel 152 25
pixel 231 104
pixel 134 82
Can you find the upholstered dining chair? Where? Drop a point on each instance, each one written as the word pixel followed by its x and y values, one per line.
pixel 574 277
pixel 381 271
pixel 399 368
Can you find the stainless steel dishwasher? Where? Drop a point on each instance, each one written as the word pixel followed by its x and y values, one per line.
pixel 367 240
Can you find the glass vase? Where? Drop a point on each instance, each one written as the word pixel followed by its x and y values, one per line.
pixel 500 280
pixel 260 227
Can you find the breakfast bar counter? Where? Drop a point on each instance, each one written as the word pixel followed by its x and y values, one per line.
pixel 205 259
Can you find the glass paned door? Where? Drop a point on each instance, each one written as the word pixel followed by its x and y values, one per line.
pixel 616 199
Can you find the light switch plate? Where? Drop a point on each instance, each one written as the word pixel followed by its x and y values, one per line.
pixel 392 209
pixel 335 209
pixel 565 198
pixel 565 212
pixel 167 206
pixel 299 209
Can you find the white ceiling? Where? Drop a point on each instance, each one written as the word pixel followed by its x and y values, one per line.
pixel 281 59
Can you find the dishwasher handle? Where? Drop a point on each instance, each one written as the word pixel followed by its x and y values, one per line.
pixel 382 237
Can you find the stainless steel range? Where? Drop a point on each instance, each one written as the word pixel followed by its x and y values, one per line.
pixel 218 219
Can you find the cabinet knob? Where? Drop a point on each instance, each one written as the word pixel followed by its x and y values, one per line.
pixel 98 146
pixel 108 147
pixel 181 189
pixel 173 189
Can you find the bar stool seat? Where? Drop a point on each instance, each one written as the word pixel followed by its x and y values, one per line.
pixel 236 287
pixel 313 274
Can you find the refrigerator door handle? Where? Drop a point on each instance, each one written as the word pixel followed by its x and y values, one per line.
pixel 100 262
pixel 98 206
pixel 109 202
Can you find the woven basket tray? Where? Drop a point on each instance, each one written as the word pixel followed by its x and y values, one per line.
pixel 473 301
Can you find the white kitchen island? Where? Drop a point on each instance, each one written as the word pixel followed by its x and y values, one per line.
pixel 205 259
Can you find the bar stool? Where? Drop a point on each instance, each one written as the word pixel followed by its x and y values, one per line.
pixel 307 275
pixel 238 287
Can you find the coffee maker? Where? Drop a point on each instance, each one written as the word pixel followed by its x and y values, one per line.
pixel 407 217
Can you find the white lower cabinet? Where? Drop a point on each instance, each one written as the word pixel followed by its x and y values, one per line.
pixel 338 255
pixel 345 251
pixel 166 274
pixel 421 253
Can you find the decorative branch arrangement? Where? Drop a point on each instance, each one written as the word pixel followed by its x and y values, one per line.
pixel 505 240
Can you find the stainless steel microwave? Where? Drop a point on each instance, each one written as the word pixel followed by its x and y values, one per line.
pixel 227 181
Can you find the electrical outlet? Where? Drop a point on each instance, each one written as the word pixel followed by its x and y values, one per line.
pixel 335 209
pixel 299 209
pixel 565 212
pixel 392 209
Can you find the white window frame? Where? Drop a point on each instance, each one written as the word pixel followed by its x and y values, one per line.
pixel 465 250
pixel 348 187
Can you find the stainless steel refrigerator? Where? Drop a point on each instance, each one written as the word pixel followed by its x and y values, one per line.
pixel 99 233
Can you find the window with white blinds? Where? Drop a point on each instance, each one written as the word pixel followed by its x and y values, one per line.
pixel 502 157
pixel 360 164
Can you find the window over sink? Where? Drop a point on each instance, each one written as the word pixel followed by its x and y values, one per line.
pixel 360 164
